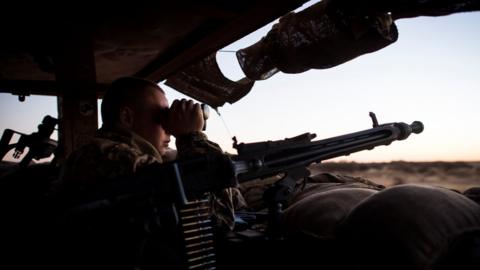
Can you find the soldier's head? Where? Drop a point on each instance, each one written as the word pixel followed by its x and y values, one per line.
pixel 136 104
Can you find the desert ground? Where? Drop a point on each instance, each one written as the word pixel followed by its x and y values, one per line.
pixel 455 175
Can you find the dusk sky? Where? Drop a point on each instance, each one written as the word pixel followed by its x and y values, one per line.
pixel 431 74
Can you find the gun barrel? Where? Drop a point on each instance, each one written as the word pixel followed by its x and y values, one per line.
pixel 249 166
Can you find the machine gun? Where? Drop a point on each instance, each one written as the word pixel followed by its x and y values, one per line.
pixel 184 181
pixel 262 159
pixel 292 156
pixel 193 177
pixel 39 143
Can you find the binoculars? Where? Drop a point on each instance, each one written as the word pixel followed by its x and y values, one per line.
pixel 205 112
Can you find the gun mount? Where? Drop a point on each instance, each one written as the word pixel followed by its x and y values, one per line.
pixel 39 143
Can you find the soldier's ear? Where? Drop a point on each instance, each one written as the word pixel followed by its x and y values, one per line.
pixel 126 117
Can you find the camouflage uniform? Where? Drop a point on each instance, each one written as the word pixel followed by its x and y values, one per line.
pixel 116 152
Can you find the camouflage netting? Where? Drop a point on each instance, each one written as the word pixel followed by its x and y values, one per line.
pixel 322 36
pixel 407 8
pixel 332 32
pixel 205 82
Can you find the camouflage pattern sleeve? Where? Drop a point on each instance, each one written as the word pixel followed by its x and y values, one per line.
pixel 106 157
pixel 195 143
pixel 225 202
pixel 223 205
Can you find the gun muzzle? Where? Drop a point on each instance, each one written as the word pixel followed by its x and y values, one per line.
pixel 406 129
pixel 417 127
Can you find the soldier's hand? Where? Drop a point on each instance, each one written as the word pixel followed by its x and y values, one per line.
pixel 184 117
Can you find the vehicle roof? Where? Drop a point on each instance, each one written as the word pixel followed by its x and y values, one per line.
pixel 152 40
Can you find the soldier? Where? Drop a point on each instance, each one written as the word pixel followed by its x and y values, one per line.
pixel 136 130
pixel 137 125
